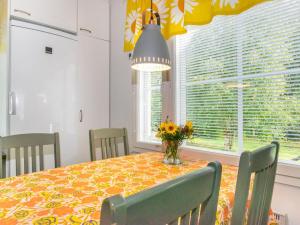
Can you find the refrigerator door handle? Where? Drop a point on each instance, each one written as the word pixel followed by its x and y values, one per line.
pixel 12 104
pixel 81 116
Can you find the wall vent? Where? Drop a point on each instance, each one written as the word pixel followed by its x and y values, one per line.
pixel 281 218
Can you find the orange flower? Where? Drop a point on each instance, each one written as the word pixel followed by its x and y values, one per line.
pixel 114 190
pixel 33 201
pixel 67 191
pixel 8 203
pixel 8 221
pixel 43 212
pixel 102 179
pixel 95 215
pixel 89 199
pixel 62 211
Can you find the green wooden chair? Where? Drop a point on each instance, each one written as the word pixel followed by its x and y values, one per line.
pixel 107 140
pixel 24 142
pixel 178 199
pixel 263 163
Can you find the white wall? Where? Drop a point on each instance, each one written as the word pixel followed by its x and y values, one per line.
pixel 286 198
pixel 121 113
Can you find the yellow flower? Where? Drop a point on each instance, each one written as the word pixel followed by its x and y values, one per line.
pixel 189 124
pixel 49 220
pixel 2 214
pixel 88 210
pixel 163 127
pixel 90 222
pixel 23 194
pixel 53 205
pixel 21 214
pixel 171 128
pixel 74 220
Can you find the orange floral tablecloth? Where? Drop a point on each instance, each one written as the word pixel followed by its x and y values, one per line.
pixel 73 194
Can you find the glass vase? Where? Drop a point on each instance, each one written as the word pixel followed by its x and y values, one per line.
pixel 171 150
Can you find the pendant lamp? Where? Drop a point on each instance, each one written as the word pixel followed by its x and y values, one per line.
pixel 151 52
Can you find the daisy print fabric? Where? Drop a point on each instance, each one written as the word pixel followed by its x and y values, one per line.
pixel 74 194
pixel 175 15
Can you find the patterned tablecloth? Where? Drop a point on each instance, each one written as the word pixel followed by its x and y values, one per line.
pixel 73 194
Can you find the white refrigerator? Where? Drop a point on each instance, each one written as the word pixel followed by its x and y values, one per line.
pixel 44 87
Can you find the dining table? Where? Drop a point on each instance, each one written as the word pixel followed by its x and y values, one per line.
pixel 74 194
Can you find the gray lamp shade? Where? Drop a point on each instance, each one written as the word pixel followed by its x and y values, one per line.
pixel 151 52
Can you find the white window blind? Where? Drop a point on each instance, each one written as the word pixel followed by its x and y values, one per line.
pixel 239 79
pixel 149 105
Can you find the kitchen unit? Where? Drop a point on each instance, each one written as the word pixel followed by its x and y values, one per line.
pixel 58 72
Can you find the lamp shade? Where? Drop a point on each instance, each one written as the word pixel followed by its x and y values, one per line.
pixel 151 52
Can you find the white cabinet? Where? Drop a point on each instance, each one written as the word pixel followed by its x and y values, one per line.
pixel 93 18
pixel 93 70
pixel 59 14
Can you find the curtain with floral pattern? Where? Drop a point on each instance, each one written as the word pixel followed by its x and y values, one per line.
pixel 176 14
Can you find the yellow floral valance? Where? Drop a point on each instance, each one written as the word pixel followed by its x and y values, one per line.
pixel 176 14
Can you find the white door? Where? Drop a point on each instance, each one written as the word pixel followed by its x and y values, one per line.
pixel 94 86
pixel 93 18
pixel 43 82
pixel 60 14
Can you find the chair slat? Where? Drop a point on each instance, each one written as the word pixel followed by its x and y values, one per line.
pixel 257 198
pixel 269 188
pixel 18 161
pixel 102 149
pixel 195 216
pixel 106 148
pixel 111 150
pixel 33 158
pixel 107 141
pixel 41 157
pixel 185 219
pixel 116 147
pixel 26 160
pixel 56 150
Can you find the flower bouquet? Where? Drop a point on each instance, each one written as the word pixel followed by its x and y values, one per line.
pixel 172 137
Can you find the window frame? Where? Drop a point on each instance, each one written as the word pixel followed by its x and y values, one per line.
pixel 288 173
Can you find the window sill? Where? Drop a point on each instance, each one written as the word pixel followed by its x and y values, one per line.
pixel 287 173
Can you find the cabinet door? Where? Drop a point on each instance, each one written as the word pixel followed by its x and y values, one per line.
pixel 44 83
pixel 93 18
pixel 94 86
pixel 60 14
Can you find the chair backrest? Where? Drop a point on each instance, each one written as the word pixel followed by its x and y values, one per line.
pixel 107 139
pixel 179 199
pixel 263 163
pixel 35 142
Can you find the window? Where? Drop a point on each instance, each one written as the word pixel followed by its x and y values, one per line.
pixel 149 105
pixel 238 80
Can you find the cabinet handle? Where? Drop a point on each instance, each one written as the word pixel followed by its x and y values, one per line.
pixel 12 104
pixel 22 11
pixel 81 116
pixel 84 29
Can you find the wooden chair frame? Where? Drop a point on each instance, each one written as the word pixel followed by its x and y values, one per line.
pixel 262 162
pixel 107 140
pixel 166 203
pixel 24 141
